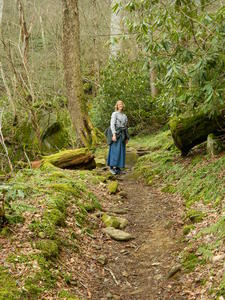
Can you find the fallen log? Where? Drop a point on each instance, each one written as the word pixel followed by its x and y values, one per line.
pixel 80 158
pixel 188 132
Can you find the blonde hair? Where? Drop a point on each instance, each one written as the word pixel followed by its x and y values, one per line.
pixel 116 106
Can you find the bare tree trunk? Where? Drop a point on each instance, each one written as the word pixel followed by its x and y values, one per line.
pixel 24 33
pixel 72 66
pixel 96 64
pixel 153 78
pixel 116 31
pixel 1 10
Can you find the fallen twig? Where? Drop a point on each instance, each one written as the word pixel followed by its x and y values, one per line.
pixel 113 276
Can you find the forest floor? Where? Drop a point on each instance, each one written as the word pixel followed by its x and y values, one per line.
pixel 54 246
pixel 139 269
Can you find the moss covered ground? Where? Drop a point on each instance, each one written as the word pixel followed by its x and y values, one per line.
pixel 50 215
pixel 199 180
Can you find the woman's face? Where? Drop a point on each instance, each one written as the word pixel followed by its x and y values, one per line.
pixel 120 105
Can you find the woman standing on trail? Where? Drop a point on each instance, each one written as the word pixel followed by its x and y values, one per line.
pixel 120 137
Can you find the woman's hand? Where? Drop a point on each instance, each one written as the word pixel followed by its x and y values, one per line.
pixel 114 137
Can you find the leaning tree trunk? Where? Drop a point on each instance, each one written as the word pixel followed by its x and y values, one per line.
pixel 72 66
pixel 188 132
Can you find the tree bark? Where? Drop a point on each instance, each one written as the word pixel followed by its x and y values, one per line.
pixel 188 132
pixel 72 66
pixel 153 77
pixel 96 63
pixel 70 159
pixel 115 31
pixel 1 10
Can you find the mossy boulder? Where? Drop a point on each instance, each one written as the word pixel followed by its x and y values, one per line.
pixel 113 187
pixel 188 131
pixel 49 248
pixel 110 221
pixel 48 124
pixel 54 133
pixel 116 222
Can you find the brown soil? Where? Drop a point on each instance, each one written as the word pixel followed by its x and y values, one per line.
pixel 138 269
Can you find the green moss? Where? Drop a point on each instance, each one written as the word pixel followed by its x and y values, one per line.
pixel 64 294
pixel 221 291
pixel 38 283
pixel 205 251
pixel 47 166
pixel 217 229
pixel 15 218
pixel 55 217
pixel 65 188
pixel 112 187
pixel 57 175
pixel 45 227
pixel 169 189
pixel 58 202
pixel 55 159
pixel 190 261
pixel 187 229
pixel 48 248
pixel 80 218
pixel 93 201
pixel 55 141
pixel 182 129
pixel 6 232
pixel 195 216
pixel 31 289
pixel 8 287
pixel 110 221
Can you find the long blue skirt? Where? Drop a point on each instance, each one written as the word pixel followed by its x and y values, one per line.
pixel 117 154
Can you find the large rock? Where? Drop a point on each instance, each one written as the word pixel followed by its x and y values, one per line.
pixel 117 234
pixel 48 124
pixel 53 133
pixel 115 222
pixel 188 131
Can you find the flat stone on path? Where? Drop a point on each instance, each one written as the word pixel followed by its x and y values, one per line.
pixel 117 234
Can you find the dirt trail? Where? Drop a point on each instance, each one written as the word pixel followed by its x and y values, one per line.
pixel 138 269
